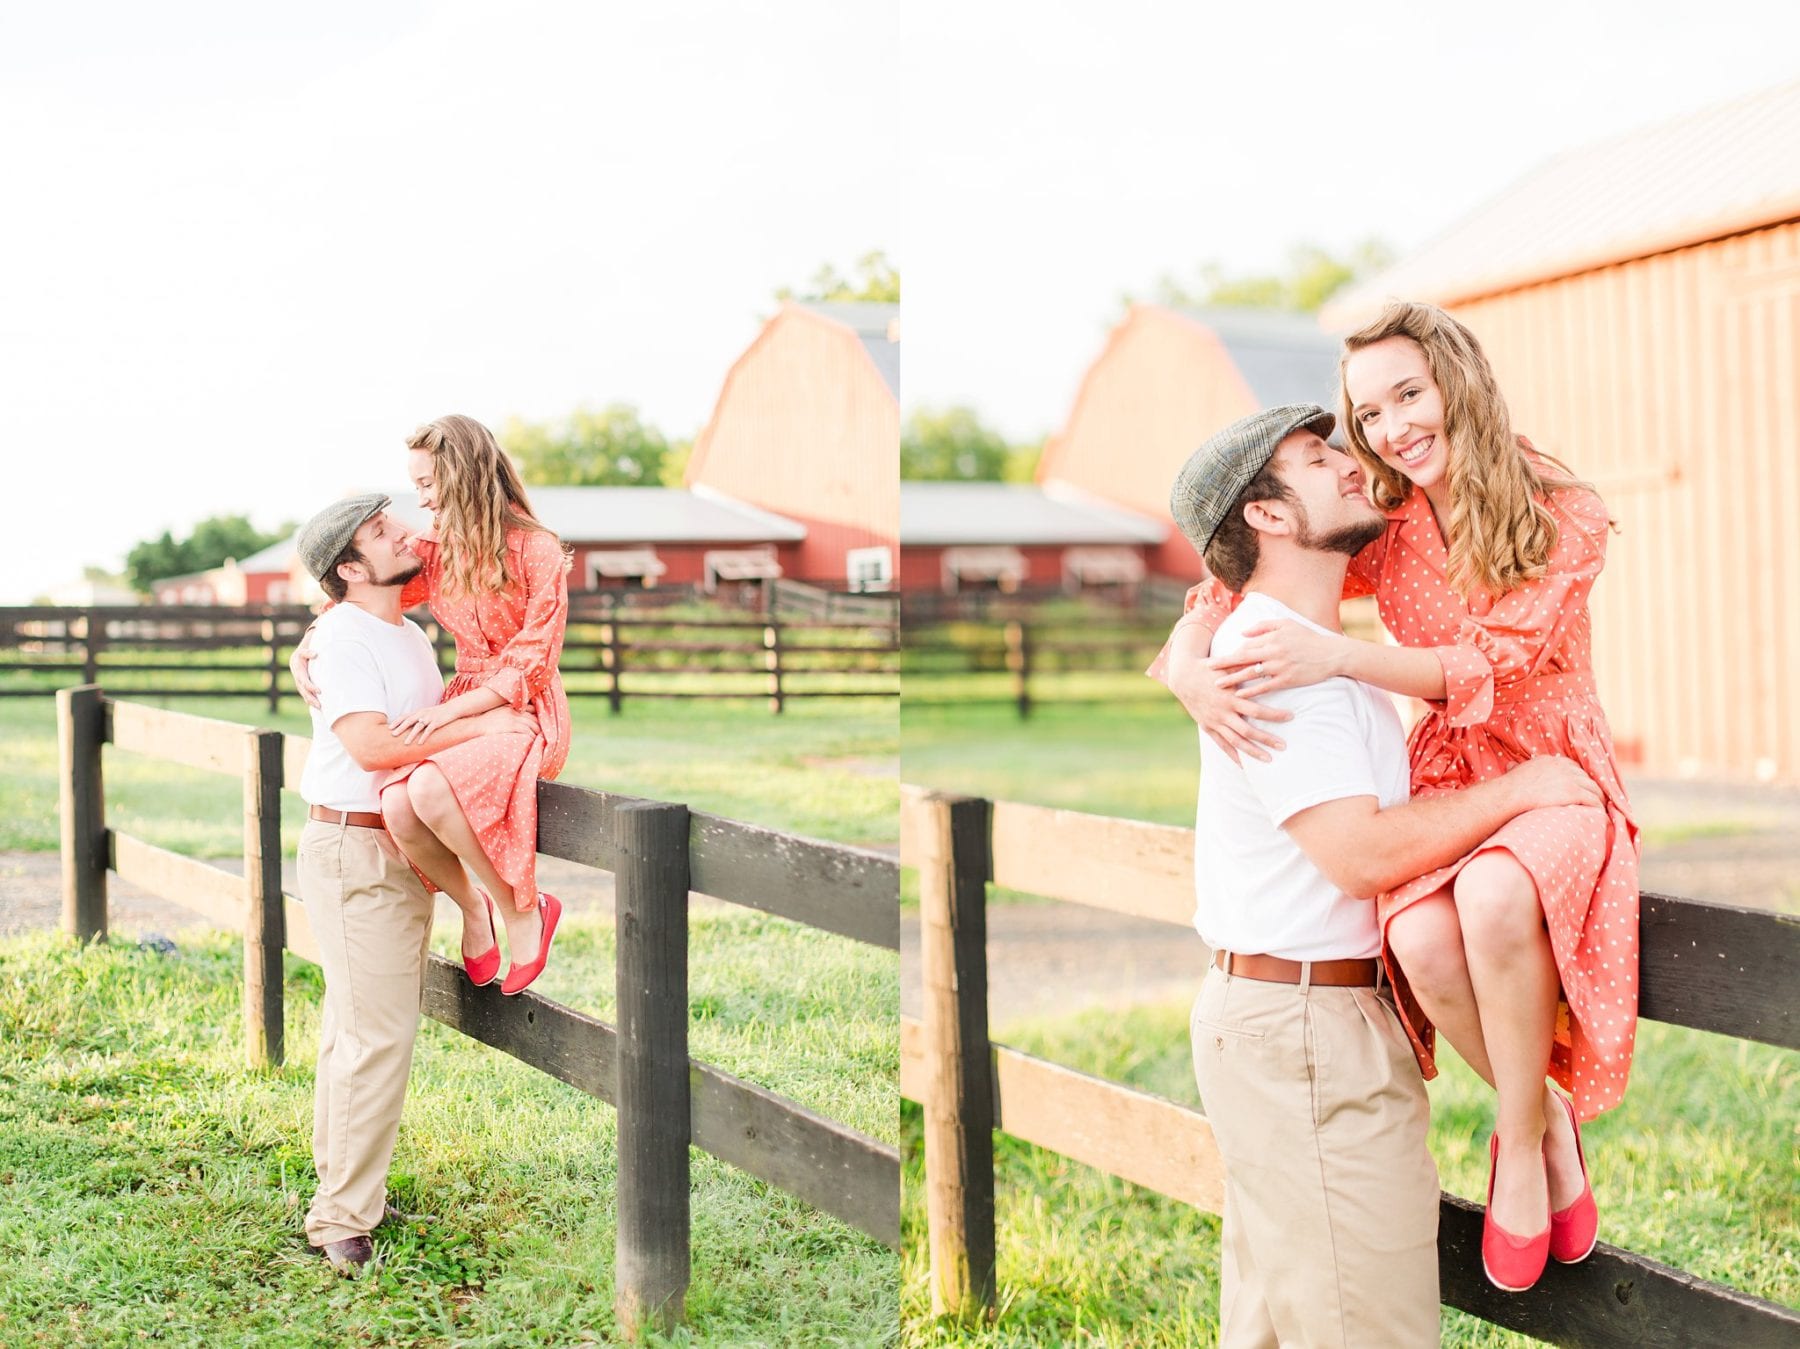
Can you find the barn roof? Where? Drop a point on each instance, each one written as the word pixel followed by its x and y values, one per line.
pixel 276 557
pixel 1284 358
pixel 602 515
pixel 1725 169
pixel 874 326
pixel 936 514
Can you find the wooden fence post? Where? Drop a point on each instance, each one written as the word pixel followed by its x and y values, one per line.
pixel 269 630
pixel 265 917
pixel 959 1103
pixel 80 733
pixel 772 663
pixel 652 1261
pixel 1018 660
pixel 612 656
pixel 90 647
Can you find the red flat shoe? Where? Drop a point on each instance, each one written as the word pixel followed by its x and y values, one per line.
pixel 519 977
pixel 1575 1230
pixel 484 969
pixel 1512 1264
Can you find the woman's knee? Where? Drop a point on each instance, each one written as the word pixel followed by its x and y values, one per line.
pixel 397 812
pixel 430 794
pixel 1497 901
pixel 1427 940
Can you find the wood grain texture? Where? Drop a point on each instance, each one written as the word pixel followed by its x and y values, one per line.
pixel 81 792
pixel 265 916
pixel 214 894
pixel 854 892
pixel 1720 968
pixel 178 737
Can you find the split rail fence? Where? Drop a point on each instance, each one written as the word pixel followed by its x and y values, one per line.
pixel 658 851
pixel 610 652
pixel 1716 968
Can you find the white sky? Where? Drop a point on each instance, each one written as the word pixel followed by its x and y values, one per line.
pixel 244 251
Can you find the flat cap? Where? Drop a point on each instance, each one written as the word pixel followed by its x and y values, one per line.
pixel 326 533
pixel 1214 475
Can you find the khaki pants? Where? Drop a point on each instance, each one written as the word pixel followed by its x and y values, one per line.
pixel 371 918
pixel 1331 1198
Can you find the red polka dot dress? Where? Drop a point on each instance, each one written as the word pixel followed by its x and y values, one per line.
pixel 1519 682
pixel 509 642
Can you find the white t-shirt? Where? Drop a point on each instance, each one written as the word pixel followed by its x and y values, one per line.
pixel 362 664
pixel 1256 891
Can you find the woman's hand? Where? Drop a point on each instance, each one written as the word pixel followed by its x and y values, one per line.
pixel 1224 715
pixel 421 722
pixel 1283 655
pixel 298 666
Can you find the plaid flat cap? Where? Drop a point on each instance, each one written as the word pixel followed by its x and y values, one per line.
pixel 326 533
pixel 1220 469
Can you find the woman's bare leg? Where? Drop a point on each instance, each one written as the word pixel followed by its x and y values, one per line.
pixel 441 867
pixel 435 803
pixel 1427 940
pixel 1513 973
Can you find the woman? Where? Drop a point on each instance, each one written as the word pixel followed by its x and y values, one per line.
pixel 1524 951
pixel 497 580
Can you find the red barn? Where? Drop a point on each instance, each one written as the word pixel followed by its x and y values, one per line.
pixel 1165 381
pixel 261 578
pixel 808 426
pixel 957 536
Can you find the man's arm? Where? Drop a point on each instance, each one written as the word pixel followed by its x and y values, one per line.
pixel 367 739
pixel 1363 850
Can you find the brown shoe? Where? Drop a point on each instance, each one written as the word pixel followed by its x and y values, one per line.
pixel 349 1255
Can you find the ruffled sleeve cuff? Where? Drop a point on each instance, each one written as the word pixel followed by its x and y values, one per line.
pixel 510 685
pixel 1468 685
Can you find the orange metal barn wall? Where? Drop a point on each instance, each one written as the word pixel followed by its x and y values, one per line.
pixel 806 428
pixel 1673 383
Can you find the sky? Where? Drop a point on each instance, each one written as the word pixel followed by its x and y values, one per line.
pixel 247 249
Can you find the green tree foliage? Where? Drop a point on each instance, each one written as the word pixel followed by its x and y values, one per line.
pixel 611 447
pixel 212 541
pixel 953 445
pixel 1312 277
pixel 875 280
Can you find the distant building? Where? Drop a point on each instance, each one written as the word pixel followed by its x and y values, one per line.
pixel 807 425
pixel 261 578
pixel 1640 301
pixel 1165 381
pixel 88 593
pixel 960 536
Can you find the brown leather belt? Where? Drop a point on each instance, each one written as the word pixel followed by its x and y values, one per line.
pixel 1276 970
pixel 363 819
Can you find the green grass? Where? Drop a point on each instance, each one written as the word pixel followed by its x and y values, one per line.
pixel 151 1188
pixel 822 768
pixel 1699 1168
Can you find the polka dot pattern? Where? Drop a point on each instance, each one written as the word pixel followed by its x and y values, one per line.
pixel 509 642
pixel 1518 673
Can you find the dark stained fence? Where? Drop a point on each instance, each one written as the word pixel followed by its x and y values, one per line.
pixel 659 851
pixel 614 650
pixel 1727 970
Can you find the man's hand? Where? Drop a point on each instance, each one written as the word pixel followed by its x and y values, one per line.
pixel 505 721
pixel 1551 780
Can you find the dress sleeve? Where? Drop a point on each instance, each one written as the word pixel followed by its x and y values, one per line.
pixel 1208 603
pixel 1364 575
pixel 528 661
pixel 1515 638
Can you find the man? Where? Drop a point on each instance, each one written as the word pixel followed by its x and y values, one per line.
pixel 1310 1083
pixel 370 914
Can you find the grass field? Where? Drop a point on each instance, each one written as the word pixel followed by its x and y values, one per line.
pixel 151 1189
pixel 822 768
pixel 1699 1168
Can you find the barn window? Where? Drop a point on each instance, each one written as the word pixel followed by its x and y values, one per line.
pixel 1101 568
pixel 869 568
pixel 623 568
pixel 990 568
pixel 740 564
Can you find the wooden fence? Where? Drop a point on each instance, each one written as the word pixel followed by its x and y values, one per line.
pixel 1716 968
pixel 1020 650
pixel 658 851
pixel 610 651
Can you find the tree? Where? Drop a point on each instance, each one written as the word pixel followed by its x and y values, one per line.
pixel 953 445
pixel 609 447
pixel 212 541
pixel 876 280
pixel 1311 278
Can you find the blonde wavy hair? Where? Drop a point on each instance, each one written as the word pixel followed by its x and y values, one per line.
pixel 1499 533
pixel 480 496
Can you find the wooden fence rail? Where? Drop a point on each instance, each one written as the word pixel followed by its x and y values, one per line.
pixel 659 851
pixel 1713 967
pixel 771 657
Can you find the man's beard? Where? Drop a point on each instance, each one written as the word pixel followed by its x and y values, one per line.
pixel 399 578
pixel 1347 539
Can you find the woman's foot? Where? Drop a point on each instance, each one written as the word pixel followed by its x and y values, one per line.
pixel 1562 1155
pixel 1574 1221
pixel 1515 1244
pixel 521 975
pixel 480 946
